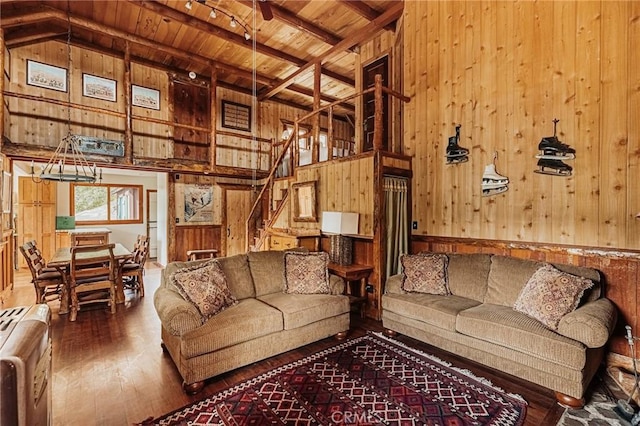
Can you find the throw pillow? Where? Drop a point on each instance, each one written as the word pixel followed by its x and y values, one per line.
pixel 425 273
pixel 550 294
pixel 205 286
pixel 306 273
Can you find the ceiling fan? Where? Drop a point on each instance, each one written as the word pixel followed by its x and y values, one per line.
pixel 265 9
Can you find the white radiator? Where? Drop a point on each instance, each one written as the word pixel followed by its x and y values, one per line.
pixel 25 366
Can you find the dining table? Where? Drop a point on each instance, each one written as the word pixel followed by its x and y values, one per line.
pixel 61 261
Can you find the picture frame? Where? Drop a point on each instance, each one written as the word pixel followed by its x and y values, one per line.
pixel 194 204
pixel 6 192
pixel 98 87
pixel 236 116
pixel 145 97
pixel 304 201
pixel 47 76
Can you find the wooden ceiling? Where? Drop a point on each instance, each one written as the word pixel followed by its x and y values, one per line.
pixel 283 51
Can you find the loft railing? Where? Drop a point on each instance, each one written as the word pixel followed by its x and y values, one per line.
pixel 255 216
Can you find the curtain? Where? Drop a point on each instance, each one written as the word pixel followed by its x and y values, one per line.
pixel 395 201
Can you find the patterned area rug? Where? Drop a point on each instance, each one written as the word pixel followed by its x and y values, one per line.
pixel 369 380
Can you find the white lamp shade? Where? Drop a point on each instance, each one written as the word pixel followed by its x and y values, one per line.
pixel 340 223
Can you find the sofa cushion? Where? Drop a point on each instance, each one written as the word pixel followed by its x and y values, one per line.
pixel 507 277
pixel 595 292
pixel 306 273
pixel 236 269
pixel 436 310
pixel 205 286
pixel 550 294
pixel 503 326
pixel 267 270
pixel 302 309
pixel 247 320
pixel 425 273
pixel 468 274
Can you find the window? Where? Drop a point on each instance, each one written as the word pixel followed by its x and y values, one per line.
pixel 106 204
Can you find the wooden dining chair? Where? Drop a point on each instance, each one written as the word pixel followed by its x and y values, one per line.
pixel 92 277
pixel 87 240
pixel 47 282
pixel 132 269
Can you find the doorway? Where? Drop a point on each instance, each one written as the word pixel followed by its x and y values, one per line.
pixel 152 222
pixel 379 66
pixel 238 202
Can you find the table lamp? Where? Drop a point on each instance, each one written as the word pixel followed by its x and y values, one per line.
pixel 339 225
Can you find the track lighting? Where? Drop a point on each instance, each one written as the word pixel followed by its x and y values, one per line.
pixel 213 14
pixel 233 22
pixel 188 5
pixel 247 36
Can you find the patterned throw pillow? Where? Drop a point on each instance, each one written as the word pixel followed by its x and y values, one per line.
pixel 205 286
pixel 306 273
pixel 425 273
pixel 550 294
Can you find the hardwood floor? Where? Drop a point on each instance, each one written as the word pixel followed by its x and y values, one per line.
pixel 110 369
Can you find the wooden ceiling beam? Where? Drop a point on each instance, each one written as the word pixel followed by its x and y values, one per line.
pixel 360 36
pixel 293 20
pixel 365 11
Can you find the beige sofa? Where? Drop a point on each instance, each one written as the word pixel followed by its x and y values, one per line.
pixel 477 321
pixel 265 321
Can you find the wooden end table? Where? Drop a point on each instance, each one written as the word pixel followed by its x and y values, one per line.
pixel 351 273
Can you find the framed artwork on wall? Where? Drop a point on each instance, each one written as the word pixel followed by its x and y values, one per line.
pixel 236 116
pixel 47 76
pixel 98 87
pixel 194 204
pixel 145 97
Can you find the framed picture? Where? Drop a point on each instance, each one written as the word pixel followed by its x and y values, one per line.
pixel 98 87
pixel 6 192
pixel 194 204
pixel 145 97
pixel 47 76
pixel 236 116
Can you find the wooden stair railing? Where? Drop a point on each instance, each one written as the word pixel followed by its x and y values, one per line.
pixel 378 89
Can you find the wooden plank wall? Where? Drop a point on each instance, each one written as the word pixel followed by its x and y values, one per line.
pixel 618 268
pixel 504 71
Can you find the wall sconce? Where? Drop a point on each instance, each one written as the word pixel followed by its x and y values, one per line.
pixel 339 226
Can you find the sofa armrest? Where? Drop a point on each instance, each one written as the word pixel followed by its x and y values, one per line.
pixel 177 315
pixel 394 285
pixel 336 284
pixel 591 324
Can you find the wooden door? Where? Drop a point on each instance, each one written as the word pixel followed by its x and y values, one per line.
pixel 238 203
pixel 36 216
pixel 379 66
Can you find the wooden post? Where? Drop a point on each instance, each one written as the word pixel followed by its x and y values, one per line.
pixel 377 118
pixel 2 86
pixel 295 148
pixel 317 75
pixel 330 134
pixel 214 117
pixel 128 123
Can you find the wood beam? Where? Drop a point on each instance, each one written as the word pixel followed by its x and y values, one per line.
pixel 293 20
pixel 2 78
pixel 317 78
pixel 365 11
pixel 213 98
pixel 361 35
pixel 128 122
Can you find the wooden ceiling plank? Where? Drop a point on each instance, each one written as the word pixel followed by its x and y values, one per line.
pixel 365 11
pixel 360 36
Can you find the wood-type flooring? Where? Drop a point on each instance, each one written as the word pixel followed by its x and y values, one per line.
pixel 110 369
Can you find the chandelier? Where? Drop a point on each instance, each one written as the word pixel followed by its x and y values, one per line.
pixel 68 154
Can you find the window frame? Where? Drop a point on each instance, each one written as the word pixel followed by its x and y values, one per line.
pixel 108 186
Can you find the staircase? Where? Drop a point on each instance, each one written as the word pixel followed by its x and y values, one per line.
pixel 278 201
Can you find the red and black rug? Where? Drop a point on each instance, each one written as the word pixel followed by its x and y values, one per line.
pixel 371 380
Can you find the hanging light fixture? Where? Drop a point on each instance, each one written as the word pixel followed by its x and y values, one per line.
pixel 68 154
pixel 213 14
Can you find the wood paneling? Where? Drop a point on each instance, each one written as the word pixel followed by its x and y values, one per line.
pixel 504 71
pixel 619 268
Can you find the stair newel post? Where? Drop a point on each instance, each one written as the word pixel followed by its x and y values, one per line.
pixel 330 134
pixel 296 146
pixel 377 118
